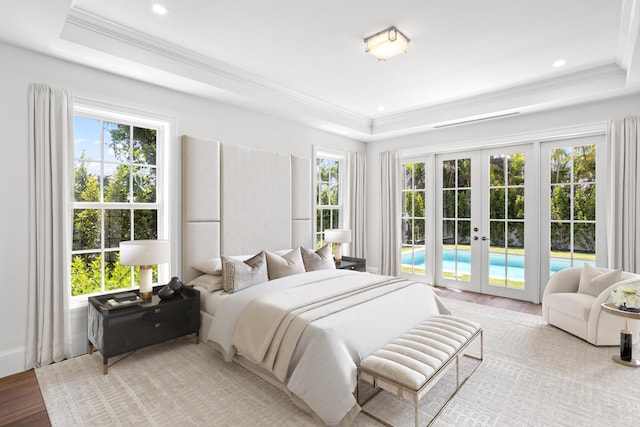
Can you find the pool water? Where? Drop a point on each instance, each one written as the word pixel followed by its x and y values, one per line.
pixel 514 267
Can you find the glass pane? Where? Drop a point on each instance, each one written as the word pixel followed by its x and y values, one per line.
pixel 584 239
pixel 516 203
pixel 86 134
pixel 449 203
pixel 584 202
pixel 407 204
pixel 584 163
pixel 515 234
pixel 464 203
pixel 419 176
pixel 516 169
pixel 496 234
pixel 448 232
pixel 464 232
pixel 326 219
pixel 144 184
pixel 116 183
pixel 335 220
pixel 116 142
pixel 464 173
pixel 86 183
pixel 116 276
pixel 117 227
pixel 144 146
pixel 145 224
pixel 323 194
pixel 86 274
pixel 496 203
pixel 419 199
pixel 560 166
pixel 496 171
pixel 408 176
pixel 87 227
pixel 560 237
pixel 418 231
pixel 407 231
pixel 497 268
pixel 560 202
pixel 515 270
pixel 449 174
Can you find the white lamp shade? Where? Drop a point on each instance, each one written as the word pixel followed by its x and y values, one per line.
pixel 337 235
pixel 145 252
pixel 387 43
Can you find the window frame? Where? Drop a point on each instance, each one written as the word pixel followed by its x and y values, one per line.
pixel 318 235
pixel 133 118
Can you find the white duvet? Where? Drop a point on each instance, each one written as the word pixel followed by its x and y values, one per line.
pixel 322 371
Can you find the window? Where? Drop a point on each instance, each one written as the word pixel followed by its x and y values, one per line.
pixel 328 195
pixel 117 196
pixel 572 202
pixel 413 217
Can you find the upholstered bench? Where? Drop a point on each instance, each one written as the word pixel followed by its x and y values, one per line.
pixel 410 365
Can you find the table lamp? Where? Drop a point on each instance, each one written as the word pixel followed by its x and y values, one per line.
pixel 145 254
pixel 337 236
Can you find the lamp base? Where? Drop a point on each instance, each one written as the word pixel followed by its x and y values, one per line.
pixel 146 295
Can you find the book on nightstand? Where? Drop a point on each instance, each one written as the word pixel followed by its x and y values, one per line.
pixel 125 296
pixel 112 303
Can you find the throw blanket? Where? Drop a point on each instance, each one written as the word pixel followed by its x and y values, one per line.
pixel 270 327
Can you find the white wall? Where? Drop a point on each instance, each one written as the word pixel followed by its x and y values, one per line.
pixel 193 116
pixel 526 127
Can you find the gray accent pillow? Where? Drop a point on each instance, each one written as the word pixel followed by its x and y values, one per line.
pixel 322 259
pixel 594 281
pixel 284 265
pixel 240 275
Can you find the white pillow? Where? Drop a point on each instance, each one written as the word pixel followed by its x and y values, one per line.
pixel 322 259
pixel 238 275
pixel 209 282
pixel 594 281
pixel 214 265
pixel 284 265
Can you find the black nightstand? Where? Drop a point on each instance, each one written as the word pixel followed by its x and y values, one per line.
pixel 114 331
pixel 350 263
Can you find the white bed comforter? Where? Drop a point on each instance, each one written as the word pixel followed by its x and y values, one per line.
pixel 323 368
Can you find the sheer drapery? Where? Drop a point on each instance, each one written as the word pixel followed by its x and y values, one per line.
pixel 50 180
pixel 623 200
pixel 356 204
pixel 390 213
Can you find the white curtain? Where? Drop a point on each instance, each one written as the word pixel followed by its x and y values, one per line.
pixel 356 204
pixel 50 180
pixel 623 200
pixel 390 213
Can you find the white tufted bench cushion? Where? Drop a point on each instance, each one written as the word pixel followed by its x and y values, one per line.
pixel 409 365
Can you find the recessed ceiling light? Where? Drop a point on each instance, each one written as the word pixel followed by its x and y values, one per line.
pixel 159 9
pixel 559 63
pixel 380 108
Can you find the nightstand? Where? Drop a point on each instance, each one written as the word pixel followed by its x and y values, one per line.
pixel 114 331
pixel 350 263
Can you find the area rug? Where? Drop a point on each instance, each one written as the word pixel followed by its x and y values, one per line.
pixel 532 375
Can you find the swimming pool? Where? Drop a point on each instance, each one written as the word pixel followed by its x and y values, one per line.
pixel 514 263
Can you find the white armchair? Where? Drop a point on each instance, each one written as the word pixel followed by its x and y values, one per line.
pixel 581 314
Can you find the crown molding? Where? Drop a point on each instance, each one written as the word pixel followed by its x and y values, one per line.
pixel 86 21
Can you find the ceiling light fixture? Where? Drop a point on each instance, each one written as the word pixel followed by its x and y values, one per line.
pixel 387 43
pixel 159 9
pixel 559 63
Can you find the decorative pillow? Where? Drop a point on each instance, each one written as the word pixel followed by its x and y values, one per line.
pixel 238 275
pixel 210 266
pixel 284 265
pixel 209 282
pixel 322 259
pixel 594 281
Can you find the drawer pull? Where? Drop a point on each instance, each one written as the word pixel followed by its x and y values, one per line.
pixel 157 310
pixel 157 325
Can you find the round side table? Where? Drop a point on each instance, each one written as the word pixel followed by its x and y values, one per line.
pixel 609 307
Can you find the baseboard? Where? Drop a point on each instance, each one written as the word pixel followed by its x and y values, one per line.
pixel 12 361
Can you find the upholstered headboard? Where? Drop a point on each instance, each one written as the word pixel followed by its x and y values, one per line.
pixel 238 200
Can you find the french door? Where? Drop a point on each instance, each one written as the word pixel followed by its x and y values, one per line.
pixel 484 243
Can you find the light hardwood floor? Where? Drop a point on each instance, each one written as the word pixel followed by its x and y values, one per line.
pixel 21 402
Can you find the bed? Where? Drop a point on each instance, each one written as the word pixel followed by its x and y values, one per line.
pixel 306 332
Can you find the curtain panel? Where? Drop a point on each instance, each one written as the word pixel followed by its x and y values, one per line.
pixel 356 204
pixel 622 198
pixel 389 263
pixel 50 181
